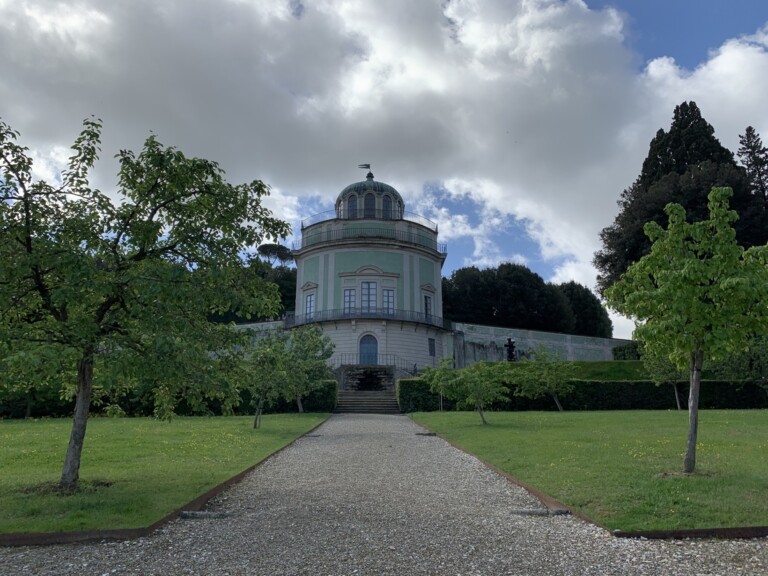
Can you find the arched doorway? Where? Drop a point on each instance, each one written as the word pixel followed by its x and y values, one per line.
pixel 369 350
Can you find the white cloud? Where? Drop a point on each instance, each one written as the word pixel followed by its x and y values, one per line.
pixel 530 109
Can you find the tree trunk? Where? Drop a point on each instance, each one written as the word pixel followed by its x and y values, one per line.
pixel 677 396
pixel 71 471
pixel 689 464
pixel 30 401
pixel 299 404
pixel 482 415
pixel 259 410
pixel 557 401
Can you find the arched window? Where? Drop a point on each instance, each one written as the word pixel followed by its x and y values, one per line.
pixel 369 206
pixel 369 350
pixel 352 207
pixel 387 205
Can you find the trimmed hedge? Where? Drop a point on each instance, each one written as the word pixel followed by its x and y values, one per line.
pixel 324 398
pixel 139 402
pixel 414 396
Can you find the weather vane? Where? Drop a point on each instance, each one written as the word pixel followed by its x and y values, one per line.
pixel 366 167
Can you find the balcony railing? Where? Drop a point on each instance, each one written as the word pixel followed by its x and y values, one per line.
pixel 374 360
pixel 378 232
pixel 292 320
pixel 363 214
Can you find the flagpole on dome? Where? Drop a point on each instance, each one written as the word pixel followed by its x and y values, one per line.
pixel 369 176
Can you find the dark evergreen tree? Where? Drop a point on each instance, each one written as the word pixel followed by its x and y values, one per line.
pixel 510 296
pixel 682 166
pixel 754 157
pixel 275 252
pixel 591 317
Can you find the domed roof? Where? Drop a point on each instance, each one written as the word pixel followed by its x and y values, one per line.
pixel 369 185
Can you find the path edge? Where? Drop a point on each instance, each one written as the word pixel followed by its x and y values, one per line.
pixel 555 507
pixel 50 538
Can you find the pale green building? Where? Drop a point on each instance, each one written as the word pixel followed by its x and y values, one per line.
pixel 369 273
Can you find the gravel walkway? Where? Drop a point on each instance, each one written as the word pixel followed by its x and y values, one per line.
pixel 368 495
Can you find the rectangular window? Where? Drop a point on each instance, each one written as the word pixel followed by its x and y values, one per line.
pixel 349 300
pixel 309 306
pixel 427 308
pixel 388 300
pixel 432 347
pixel 368 296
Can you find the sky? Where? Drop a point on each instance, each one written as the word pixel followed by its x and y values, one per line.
pixel 513 124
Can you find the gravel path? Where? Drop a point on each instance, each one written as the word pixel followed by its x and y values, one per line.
pixel 368 495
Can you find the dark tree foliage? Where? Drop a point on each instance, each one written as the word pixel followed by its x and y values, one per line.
pixel 682 166
pixel 275 253
pixel 510 296
pixel 591 317
pixel 754 157
pixel 282 276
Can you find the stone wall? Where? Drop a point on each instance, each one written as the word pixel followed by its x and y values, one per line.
pixel 475 343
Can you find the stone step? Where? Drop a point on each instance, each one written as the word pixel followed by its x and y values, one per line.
pixel 367 402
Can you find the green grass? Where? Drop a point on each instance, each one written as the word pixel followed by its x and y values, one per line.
pixel 621 469
pixel 134 470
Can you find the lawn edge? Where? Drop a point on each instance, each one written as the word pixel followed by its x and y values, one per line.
pixel 109 535
pixel 555 507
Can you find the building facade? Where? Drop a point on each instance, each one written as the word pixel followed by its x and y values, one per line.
pixel 369 273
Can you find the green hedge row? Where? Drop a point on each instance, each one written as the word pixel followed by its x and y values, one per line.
pixel 139 402
pixel 322 399
pixel 414 395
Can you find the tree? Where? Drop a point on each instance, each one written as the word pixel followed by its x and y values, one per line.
pixel 478 385
pixel 662 370
pixel 282 276
pixel 306 352
pixel 130 282
pixel 544 375
pixel 275 252
pixel 682 166
pixel 696 295
pixel 591 318
pixel 509 296
pixel 265 370
pixel 754 157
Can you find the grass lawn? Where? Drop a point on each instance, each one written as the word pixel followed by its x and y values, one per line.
pixel 135 470
pixel 622 468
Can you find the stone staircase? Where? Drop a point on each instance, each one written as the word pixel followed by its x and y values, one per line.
pixel 369 378
pixel 367 402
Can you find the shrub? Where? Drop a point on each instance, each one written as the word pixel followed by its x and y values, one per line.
pixel 629 351
pixel 414 395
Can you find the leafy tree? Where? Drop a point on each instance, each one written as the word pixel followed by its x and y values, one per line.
pixel 591 318
pixel 754 157
pixel 32 376
pixel 749 364
pixel 468 296
pixel 275 252
pixel 696 295
pixel 509 296
pixel 682 165
pixel 306 353
pixel 132 282
pixel 265 370
pixel 478 385
pixel 282 276
pixel 663 370
pixel 546 374
pixel 441 379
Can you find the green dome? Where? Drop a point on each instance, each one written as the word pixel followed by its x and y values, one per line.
pixel 380 189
